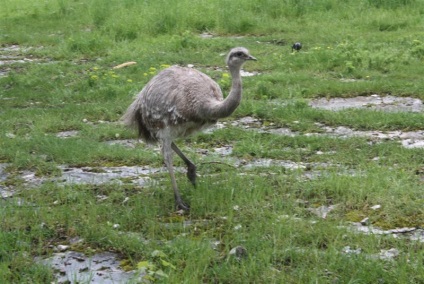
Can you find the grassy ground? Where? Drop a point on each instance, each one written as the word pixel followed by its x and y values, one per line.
pixel 377 45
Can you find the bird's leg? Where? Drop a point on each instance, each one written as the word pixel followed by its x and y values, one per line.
pixel 191 168
pixel 167 154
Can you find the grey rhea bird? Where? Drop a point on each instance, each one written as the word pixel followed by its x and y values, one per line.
pixel 179 101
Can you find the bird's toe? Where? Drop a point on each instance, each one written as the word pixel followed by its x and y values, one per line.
pixel 180 205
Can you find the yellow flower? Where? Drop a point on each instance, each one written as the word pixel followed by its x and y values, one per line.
pixel 145 74
pixel 129 81
pixel 95 68
pixel 94 77
pixel 152 69
pixel 225 75
pixel 165 66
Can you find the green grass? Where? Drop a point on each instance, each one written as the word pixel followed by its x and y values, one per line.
pixel 377 45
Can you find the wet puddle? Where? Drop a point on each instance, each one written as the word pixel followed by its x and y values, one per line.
pixel 67 134
pixel 413 234
pixel 76 267
pixel 137 175
pixel 89 175
pixel 408 139
pixel 382 103
pixel 14 54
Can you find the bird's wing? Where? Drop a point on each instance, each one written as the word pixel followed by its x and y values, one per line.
pixel 179 94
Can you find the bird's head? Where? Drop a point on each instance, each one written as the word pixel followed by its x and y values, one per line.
pixel 237 56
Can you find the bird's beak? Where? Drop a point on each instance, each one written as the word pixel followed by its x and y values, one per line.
pixel 251 58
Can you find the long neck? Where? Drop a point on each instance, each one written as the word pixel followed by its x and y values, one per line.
pixel 231 102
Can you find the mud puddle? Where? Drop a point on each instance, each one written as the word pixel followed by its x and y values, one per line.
pixel 98 175
pixel 413 234
pixel 376 102
pixel 408 139
pixel 137 175
pixel 146 176
pixel 76 267
pixel 11 55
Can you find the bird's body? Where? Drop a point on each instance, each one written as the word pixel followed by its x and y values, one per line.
pixel 171 106
pixel 180 101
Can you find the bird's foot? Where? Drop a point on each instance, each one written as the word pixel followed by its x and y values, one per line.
pixel 182 206
pixel 191 174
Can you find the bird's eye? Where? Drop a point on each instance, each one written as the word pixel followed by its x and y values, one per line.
pixel 239 54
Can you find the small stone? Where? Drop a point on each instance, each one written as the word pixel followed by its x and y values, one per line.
pixel 389 254
pixel 348 250
pixel 190 65
pixel 402 230
pixel 62 248
pixel 238 227
pixel 236 207
pixel 10 135
pixel 101 198
pixel 215 244
pixel 85 120
pixel 239 252
pixel 376 207
pixel 365 221
pixel 75 240
pixel 322 211
pixel 116 226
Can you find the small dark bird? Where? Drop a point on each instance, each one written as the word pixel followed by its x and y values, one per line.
pixel 296 46
pixel 180 101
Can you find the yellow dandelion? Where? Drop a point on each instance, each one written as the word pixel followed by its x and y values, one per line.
pixel 225 75
pixel 129 81
pixel 114 76
pixel 165 66
pixel 95 68
pixel 145 74
pixel 152 69
pixel 94 77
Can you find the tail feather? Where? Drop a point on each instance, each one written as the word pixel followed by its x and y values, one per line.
pixel 133 118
